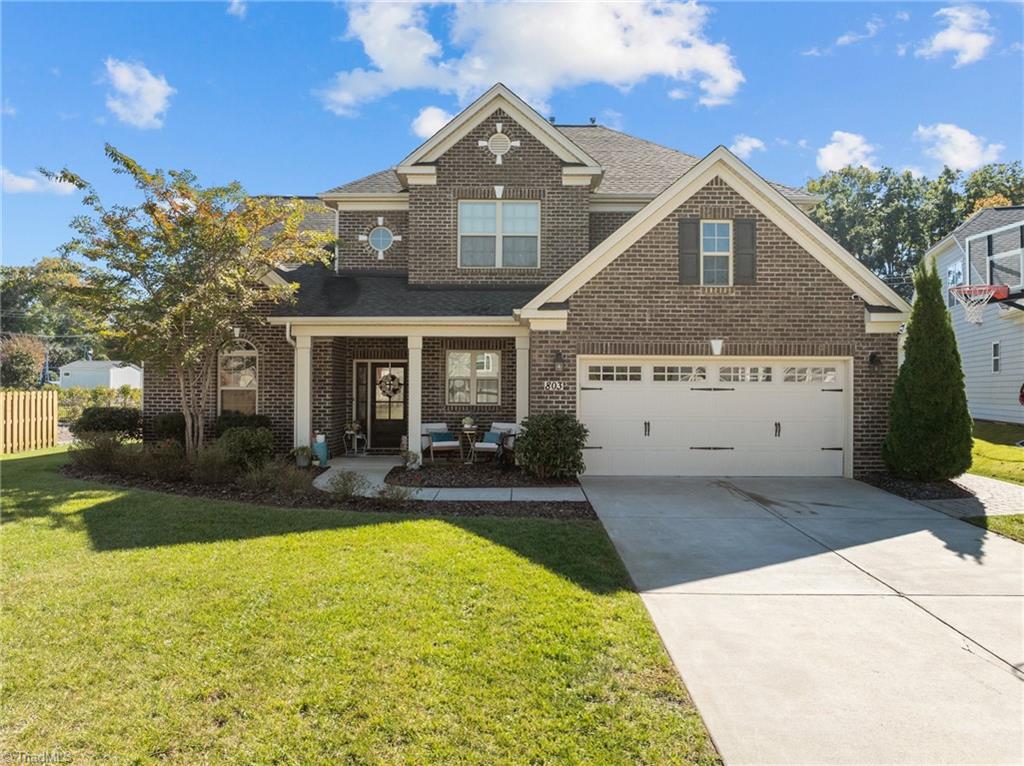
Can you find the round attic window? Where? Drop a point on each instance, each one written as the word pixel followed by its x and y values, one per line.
pixel 499 144
pixel 381 238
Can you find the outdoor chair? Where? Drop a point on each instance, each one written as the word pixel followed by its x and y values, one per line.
pixel 498 442
pixel 437 438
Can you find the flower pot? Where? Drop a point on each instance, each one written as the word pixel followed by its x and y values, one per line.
pixel 303 461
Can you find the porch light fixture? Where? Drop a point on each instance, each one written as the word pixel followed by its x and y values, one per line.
pixel 716 346
pixel 237 331
pixel 874 358
pixel 559 362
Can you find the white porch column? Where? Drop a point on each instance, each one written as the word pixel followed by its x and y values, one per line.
pixel 303 393
pixel 414 392
pixel 522 378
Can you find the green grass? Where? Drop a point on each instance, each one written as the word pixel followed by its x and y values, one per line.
pixel 1009 526
pixel 140 627
pixel 994 452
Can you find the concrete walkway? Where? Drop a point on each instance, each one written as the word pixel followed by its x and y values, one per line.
pixel 375 469
pixel 823 621
pixel 992 497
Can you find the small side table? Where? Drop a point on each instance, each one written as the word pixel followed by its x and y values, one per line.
pixel 352 440
pixel 469 435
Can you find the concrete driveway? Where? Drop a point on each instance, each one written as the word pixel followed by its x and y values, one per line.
pixel 823 621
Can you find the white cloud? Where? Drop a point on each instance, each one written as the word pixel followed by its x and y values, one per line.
pixel 678 94
pixel 846 149
pixel 743 146
pixel 237 8
pixel 902 48
pixel 871 28
pixel 526 47
pixel 902 16
pixel 612 118
pixel 815 51
pixel 8 110
pixel 140 98
pixel 34 183
pixel 430 120
pixel 967 34
pixel 956 147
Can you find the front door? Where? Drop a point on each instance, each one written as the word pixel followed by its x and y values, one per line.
pixel 387 413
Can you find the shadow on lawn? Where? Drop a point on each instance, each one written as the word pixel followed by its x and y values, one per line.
pixel 135 519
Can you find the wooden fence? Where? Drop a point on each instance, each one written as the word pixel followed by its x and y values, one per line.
pixel 28 420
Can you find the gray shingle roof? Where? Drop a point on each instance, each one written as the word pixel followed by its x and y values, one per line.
pixel 632 165
pixel 986 219
pixel 381 293
pixel 319 217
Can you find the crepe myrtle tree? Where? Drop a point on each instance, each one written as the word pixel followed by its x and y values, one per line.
pixel 172 275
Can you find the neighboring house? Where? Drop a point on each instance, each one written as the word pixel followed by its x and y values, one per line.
pixel 992 352
pixel 688 311
pixel 90 373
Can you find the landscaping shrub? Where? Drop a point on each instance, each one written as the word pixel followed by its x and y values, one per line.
pixel 551 445
pixel 228 420
pixel 170 425
pixel 99 452
pixel 125 422
pixel 390 495
pixel 248 447
pixel 214 465
pixel 21 361
pixel 164 460
pixel 929 435
pixel 71 402
pixel 277 476
pixel 348 484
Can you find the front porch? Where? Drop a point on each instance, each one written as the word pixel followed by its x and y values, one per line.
pixel 390 380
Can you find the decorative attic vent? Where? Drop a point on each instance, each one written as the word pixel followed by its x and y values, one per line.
pixel 498 144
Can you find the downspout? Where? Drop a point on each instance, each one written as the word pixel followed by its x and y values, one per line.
pixel 288 334
pixel 337 237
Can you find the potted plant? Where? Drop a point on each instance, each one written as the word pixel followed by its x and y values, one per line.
pixel 303 456
pixel 468 423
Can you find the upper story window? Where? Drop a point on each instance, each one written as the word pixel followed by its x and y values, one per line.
pixel 716 253
pixel 381 238
pixel 237 378
pixel 499 234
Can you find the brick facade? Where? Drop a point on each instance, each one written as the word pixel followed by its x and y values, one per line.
pixel 602 224
pixel 468 171
pixel 797 308
pixel 353 254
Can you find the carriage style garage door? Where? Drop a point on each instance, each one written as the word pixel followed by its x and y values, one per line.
pixel 715 417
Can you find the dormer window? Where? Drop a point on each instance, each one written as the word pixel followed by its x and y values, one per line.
pixel 499 234
pixel 716 253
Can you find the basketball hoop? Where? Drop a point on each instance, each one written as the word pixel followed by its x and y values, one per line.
pixel 974 298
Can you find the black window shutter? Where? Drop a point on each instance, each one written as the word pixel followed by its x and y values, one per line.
pixel 745 255
pixel 988 243
pixel 689 251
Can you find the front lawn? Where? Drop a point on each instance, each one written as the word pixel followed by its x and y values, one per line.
pixel 1009 526
pixel 995 453
pixel 141 627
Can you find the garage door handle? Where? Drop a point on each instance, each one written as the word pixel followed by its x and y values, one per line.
pixel 831 449
pixel 591 388
pixel 778 429
pixel 836 390
pixel 712 448
pixel 647 428
pixel 696 388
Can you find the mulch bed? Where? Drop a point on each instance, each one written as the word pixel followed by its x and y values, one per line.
pixel 323 500
pixel 458 474
pixel 917 490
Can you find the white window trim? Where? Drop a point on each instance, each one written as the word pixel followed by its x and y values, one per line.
pixel 498 234
pixel 728 254
pixel 997 357
pixel 250 351
pixel 472 377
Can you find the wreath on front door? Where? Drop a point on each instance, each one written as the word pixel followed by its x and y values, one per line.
pixel 389 385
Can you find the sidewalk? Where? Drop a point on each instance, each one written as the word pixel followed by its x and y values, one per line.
pixel 375 469
pixel 992 497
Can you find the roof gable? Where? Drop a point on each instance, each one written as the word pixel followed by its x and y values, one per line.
pixel 499 97
pixel 769 200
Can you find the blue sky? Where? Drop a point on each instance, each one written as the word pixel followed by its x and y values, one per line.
pixel 293 98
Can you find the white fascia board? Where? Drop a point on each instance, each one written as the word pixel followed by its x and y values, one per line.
pixel 499 97
pixel 474 327
pixel 356 201
pixel 884 321
pixel 581 175
pixel 771 202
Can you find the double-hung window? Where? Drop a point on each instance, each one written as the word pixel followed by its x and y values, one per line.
pixel 237 378
pixel 474 377
pixel 499 234
pixel 995 357
pixel 716 253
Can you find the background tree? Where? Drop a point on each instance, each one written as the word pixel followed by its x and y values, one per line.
pixel 1003 178
pixel 21 361
pixel 174 274
pixel 929 435
pixel 996 200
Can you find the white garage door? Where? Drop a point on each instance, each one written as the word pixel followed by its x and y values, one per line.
pixel 714 417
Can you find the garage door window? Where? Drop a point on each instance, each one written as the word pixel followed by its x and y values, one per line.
pixel 676 374
pixel 742 374
pixel 613 372
pixel 810 375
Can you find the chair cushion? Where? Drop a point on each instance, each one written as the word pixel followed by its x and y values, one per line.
pixel 492 437
pixel 485 447
pixel 444 445
pixel 442 436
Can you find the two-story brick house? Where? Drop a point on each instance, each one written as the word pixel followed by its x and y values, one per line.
pixel 688 311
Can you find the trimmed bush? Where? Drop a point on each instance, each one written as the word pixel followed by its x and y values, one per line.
pixel 392 495
pixel 280 476
pixel 929 435
pixel 551 445
pixel 164 461
pixel 99 452
pixel 248 447
pixel 214 465
pixel 125 422
pixel 170 425
pixel 228 420
pixel 348 484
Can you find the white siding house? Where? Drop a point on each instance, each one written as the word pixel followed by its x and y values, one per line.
pixel 88 373
pixel 992 352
